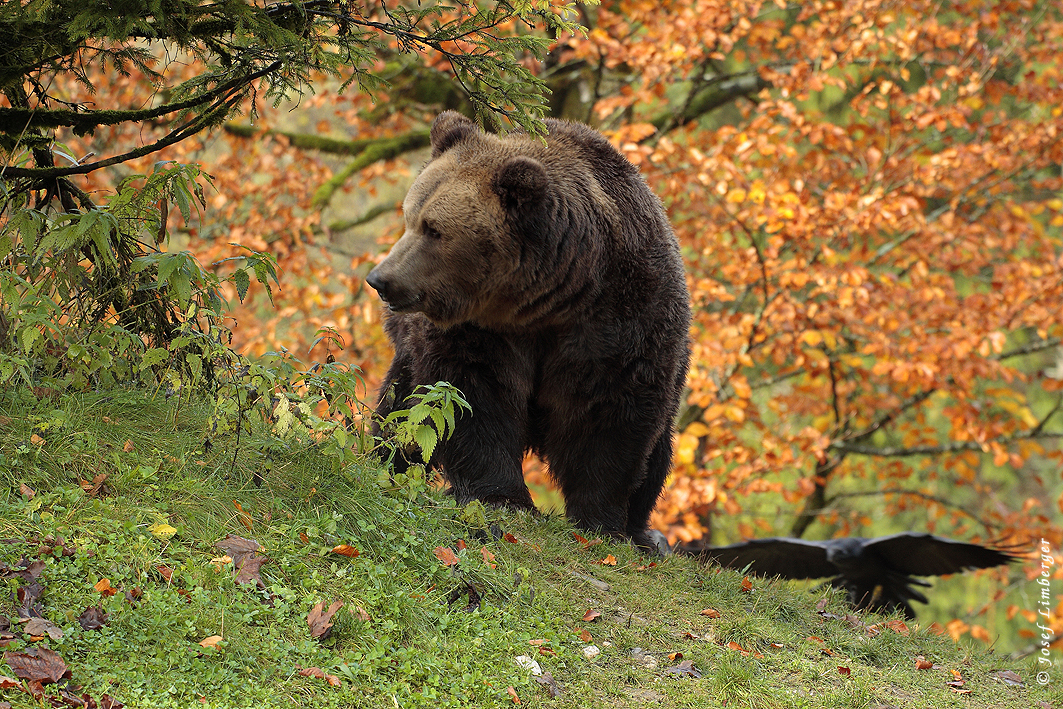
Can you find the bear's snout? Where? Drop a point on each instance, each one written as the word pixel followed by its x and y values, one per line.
pixel 396 297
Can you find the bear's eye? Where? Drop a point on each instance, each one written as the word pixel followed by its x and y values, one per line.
pixel 430 232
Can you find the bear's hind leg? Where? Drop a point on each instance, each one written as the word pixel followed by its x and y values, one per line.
pixel 644 498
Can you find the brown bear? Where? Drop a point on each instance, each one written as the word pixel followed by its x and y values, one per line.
pixel 543 280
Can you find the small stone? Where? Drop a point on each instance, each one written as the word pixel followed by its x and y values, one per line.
pixel 526 663
pixel 591 652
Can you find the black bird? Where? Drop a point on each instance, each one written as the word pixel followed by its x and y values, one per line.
pixel 876 573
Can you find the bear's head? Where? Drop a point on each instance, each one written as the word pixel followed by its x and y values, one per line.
pixel 473 217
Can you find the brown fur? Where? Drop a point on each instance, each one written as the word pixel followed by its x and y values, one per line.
pixel 543 280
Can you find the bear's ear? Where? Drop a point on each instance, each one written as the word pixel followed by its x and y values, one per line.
pixel 448 128
pixel 521 180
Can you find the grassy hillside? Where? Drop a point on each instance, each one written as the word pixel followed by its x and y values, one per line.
pixel 414 629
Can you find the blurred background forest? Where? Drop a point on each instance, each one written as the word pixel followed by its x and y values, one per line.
pixel 869 199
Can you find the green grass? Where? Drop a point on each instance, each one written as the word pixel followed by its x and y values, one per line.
pixel 421 646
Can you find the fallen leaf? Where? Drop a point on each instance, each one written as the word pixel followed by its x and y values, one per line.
pixel 26 490
pixel 844 671
pixel 685 668
pixel 104 587
pixel 361 614
pixel 245 518
pixel 513 695
pixel 92 618
pixel 37 664
pixel 548 651
pixel 162 530
pixel 586 543
pixel 1007 677
pixel 39 627
pixel 690 636
pixel 166 572
pixel 303 538
pixel 747 584
pixel 647 566
pixel 673 656
pixel 489 558
pixel 460 544
pixel 318 673
pixel 346 550
pixel 710 612
pixel 320 620
pixel 446 555
pixel 133 596
pixel 9 682
pixel 922 663
pixel 508 536
pixel 246 561
pixel 128 447
pixel 897 626
pixel 735 646
pixel 591 615
pixel 609 560
pixel 538 642
pixel 211 641
pixel 37 440
pixel 547 680
pixel 237 547
pixel 585 636
pixel 94 488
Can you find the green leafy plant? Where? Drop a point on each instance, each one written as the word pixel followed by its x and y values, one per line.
pixel 429 420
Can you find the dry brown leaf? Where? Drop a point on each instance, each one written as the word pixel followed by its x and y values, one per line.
pixel 513 695
pixel 489 558
pixel 128 446
pixel 92 618
pixel 319 673
pixel 922 663
pixel 37 440
pixel 346 550
pixel 245 518
pixel 547 680
pixel 361 614
pixel 211 641
pixel 104 587
pixel 94 488
pixel 37 664
pixel 685 668
pixel 710 612
pixel 446 555
pixel 591 615
pixel 320 620
pixel 39 627
pixel 26 490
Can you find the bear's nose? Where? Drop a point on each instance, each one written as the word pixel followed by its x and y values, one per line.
pixel 378 283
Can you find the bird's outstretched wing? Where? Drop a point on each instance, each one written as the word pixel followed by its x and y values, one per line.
pixel 921 554
pixel 775 556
